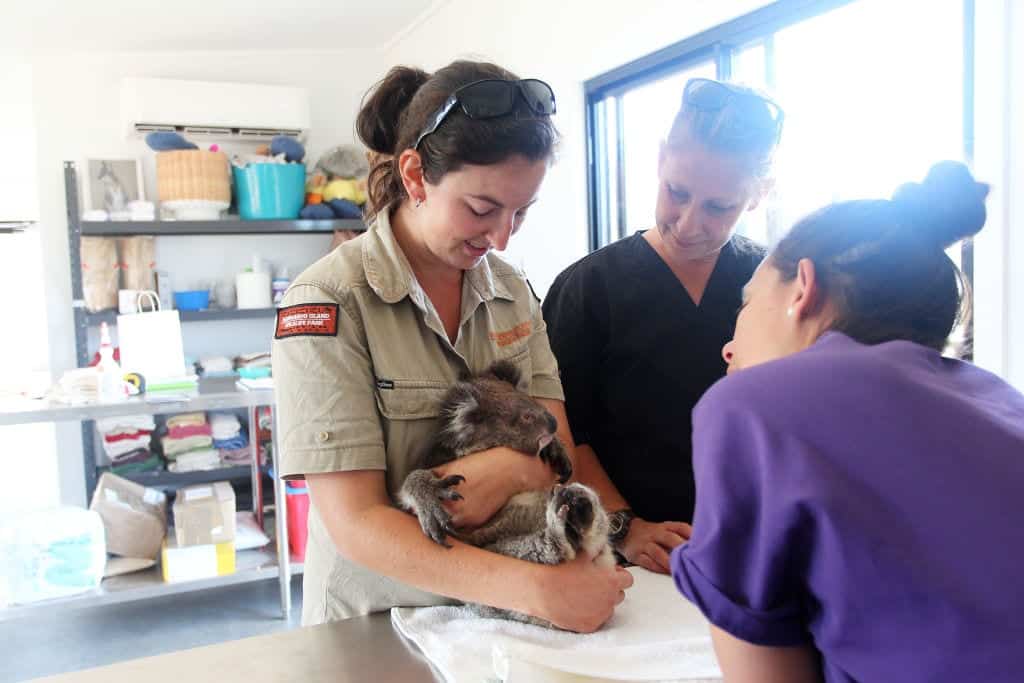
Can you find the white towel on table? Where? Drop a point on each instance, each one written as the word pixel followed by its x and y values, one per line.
pixel 654 635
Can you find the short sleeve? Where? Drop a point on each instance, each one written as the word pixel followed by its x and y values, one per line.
pixel 324 389
pixel 545 382
pixel 576 335
pixel 744 565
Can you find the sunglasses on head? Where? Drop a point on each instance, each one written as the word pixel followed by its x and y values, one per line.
pixel 752 113
pixel 491 98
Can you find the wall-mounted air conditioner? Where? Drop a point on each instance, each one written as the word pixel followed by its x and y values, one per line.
pixel 224 111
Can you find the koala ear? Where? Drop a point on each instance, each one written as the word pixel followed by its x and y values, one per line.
pixel 506 371
pixel 461 404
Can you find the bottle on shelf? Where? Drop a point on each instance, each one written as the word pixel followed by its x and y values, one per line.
pixel 111 379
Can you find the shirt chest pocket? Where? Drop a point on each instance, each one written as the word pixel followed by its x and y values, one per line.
pixel 403 399
pixel 524 365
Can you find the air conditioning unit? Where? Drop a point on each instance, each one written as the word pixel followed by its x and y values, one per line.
pixel 220 111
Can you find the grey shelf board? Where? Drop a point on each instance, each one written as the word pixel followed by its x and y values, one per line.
pixel 110 316
pixel 167 479
pixel 227 226
pixel 250 565
pixel 24 411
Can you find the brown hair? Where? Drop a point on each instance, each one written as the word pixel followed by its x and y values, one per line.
pixel 883 262
pixel 396 109
pixel 742 127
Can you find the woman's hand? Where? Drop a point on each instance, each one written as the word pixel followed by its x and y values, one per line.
pixel 648 544
pixel 491 478
pixel 579 595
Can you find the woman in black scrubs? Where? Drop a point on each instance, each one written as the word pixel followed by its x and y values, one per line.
pixel 638 326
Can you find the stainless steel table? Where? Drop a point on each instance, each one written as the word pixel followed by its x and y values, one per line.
pixel 361 649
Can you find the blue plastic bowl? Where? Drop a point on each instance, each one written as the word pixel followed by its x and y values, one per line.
pixel 270 191
pixel 192 300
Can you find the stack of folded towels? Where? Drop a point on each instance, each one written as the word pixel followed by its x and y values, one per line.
pixel 188 445
pixel 229 439
pixel 126 441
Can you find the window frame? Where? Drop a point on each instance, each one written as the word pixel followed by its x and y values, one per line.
pixel 718 44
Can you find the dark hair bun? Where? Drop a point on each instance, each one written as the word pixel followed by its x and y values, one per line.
pixel 378 121
pixel 947 207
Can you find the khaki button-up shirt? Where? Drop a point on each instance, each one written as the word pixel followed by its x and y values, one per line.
pixel 361 362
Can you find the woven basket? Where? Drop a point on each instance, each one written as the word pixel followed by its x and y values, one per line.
pixel 191 174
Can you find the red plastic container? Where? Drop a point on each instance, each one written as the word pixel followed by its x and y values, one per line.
pixel 297 504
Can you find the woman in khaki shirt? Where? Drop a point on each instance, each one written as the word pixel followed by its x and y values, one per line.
pixel 370 337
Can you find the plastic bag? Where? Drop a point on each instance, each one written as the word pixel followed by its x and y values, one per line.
pixel 100 273
pixel 138 261
pixel 51 554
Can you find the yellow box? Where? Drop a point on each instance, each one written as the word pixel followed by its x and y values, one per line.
pixel 193 562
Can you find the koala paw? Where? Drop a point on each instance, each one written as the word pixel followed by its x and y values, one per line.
pixel 555 456
pixel 423 493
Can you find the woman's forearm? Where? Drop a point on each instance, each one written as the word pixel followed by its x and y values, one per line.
pixel 743 662
pixel 390 542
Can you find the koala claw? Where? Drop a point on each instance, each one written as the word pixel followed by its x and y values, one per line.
pixel 424 493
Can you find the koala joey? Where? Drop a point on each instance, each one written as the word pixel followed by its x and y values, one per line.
pixel 547 527
pixel 477 413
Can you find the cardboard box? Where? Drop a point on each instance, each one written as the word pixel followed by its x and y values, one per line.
pixel 193 562
pixel 134 517
pixel 204 514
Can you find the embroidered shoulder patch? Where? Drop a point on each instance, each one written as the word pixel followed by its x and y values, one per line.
pixel 307 320
pixel 507 337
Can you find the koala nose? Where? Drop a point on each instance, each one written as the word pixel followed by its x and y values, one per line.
pixel 552 422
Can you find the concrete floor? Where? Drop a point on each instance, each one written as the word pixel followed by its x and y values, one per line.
pixel 47 644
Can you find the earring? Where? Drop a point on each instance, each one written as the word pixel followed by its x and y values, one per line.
pixel 789 312
pixel 419 203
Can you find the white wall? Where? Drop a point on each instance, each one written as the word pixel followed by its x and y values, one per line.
pixel 564 43
pixel 1014 186
pixel 77 112
pixel 999 159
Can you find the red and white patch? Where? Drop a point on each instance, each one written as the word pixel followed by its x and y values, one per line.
pixel 307 320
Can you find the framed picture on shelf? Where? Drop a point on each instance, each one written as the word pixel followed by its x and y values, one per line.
pixel 110 184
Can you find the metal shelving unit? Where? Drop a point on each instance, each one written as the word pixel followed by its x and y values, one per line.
pixel 211 395
pixel 221 394
pixel 77 228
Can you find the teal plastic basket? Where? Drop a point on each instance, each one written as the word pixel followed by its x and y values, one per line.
pixel 270 191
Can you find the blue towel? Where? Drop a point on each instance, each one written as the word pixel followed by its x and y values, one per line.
pixel 234 443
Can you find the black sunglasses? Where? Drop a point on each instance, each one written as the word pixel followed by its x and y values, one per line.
pixel 491 98
pixel 754 113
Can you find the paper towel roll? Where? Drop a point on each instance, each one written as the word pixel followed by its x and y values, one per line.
pixel 253 290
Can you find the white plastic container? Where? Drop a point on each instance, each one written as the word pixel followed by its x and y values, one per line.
pixel 253 289
pixel 50 554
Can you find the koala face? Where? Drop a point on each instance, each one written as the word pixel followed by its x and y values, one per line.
pixel 576 513
pixel 487 410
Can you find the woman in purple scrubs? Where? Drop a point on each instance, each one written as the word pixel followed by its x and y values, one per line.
pixel 860 497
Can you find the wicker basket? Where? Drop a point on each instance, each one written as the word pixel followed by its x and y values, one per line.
pixel 192 174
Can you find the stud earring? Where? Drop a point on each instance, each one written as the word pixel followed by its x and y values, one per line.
pixel 419 203
pixel 789 312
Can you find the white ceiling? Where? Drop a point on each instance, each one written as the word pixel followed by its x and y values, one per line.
pixel 66 26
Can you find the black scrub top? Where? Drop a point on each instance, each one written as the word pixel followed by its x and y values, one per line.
pixel 635 355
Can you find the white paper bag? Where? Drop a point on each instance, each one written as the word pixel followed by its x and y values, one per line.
pixel 150 341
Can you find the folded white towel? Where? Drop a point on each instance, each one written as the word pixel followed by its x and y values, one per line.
pixel 655 635
pixel 207 459
pixel 224 426
pixel 125 423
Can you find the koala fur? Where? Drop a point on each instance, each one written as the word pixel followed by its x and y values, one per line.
pixel 547 527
